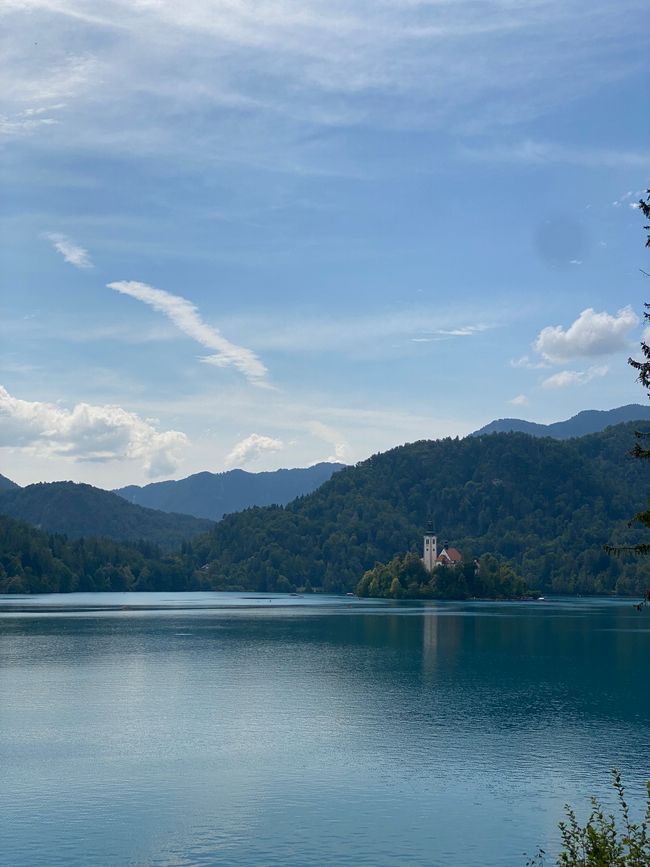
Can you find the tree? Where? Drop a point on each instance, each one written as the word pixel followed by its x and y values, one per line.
pixel 603 841
pixel 640 450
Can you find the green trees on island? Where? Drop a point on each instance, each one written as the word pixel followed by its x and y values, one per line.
pixel 541 505
pixel 545 506
pixel 406 578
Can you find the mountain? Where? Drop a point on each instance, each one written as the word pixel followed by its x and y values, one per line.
pixel 213 495
pixel 587 422
pixel 7 485
pixel 545 505
pixel 81 510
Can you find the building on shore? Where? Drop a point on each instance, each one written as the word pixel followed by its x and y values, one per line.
pixel 432 558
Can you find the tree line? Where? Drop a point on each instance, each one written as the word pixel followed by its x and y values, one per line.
pixel 544 506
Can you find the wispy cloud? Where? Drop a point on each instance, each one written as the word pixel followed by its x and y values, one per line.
pixel 591 334
pixel 251 448
pixel 187 319
pixel 540 153
pixel 73 253
pixel 519 400
pixel 630 198
pixel 88 432
pixel 565 378
pixel 424 64
pixel 329 333
pixel 527 363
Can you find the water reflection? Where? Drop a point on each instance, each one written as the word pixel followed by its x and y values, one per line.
pixel 324 732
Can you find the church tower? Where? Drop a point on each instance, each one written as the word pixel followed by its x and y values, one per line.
pixel 430 550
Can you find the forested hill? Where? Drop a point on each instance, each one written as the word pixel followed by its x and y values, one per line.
pixel 213 495
pixel 32 561
pixel 545 505
pixel 81 510
pixel 7 485
pixel 588 421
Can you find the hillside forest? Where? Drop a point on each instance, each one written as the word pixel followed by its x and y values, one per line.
pixel 543 506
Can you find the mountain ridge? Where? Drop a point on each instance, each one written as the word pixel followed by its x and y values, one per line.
pixel 213 495
pixel 76 509
pixel 7 484
pixel 545 505
pixel 588 421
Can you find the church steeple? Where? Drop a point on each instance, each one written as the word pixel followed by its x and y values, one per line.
pixel 430 553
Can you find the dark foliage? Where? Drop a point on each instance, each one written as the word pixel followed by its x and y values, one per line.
pixel 544 505
pixel 32 561
pixel 640 450
pixel 82 510
pixel 406 578
pixel 605 840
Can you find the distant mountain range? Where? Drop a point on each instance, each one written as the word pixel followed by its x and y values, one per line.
pixel 546 506
pixel 213 495
pixel 81 510
pixel 587 422
pixel 168 513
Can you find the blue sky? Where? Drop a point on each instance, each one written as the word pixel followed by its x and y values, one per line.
pixel 268 234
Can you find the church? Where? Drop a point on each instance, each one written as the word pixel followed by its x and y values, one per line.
pixel 433 558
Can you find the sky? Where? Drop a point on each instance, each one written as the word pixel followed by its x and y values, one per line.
pixel 268 234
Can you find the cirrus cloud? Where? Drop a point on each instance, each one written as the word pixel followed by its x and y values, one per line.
pixel 187 319
pixel 591 334
pixel 71 252
pixel 88 432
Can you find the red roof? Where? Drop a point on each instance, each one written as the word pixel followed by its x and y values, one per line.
pixel 453 555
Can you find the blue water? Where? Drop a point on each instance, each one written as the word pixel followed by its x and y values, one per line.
pixel 205 729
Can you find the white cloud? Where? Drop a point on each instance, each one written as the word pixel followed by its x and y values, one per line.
pixel 565 378
pixel 12 126
pixel 526 363
pixel 187 319
pixel 519 400
pixel 631 194
pixel 88 433
pixel 251 448
pixel 592 334
pixel 71 252
pixel 333 437
pixel 424 64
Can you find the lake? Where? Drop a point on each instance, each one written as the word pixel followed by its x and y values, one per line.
pixel 234 729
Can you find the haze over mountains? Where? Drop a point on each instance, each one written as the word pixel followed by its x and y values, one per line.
pixel 213 495
pixel 586 422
